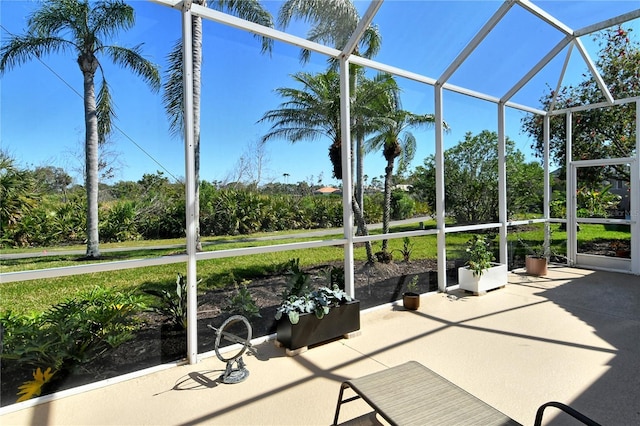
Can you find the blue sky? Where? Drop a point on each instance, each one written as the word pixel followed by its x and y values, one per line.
pixel 41 115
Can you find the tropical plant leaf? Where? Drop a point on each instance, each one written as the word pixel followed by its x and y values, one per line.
pixel 33 388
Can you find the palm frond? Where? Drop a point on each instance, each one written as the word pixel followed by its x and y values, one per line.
pixel 105 111
pixel 249 10
pixel 172 97
pixel 132 58
pixel 55 15
pixel 408 145
pixel 371 42
pixel 21 49
pixel 109 17
pixel 332 23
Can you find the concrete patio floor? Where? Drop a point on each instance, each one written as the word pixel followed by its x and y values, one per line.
pixel 572 336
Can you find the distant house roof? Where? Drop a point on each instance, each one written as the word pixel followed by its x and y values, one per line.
pixel 327 190
pixel 405 188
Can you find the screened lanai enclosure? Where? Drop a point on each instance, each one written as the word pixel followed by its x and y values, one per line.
pixel 343 54
pixel 513 120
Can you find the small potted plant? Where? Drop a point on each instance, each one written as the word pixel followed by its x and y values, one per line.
pixel 536 259
pixel 481 273
pixel 535 263
pixel 411 297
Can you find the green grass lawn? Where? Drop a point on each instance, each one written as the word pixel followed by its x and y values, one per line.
pixel 38 295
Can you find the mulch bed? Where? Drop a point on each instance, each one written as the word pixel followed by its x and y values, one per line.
pixel 157 343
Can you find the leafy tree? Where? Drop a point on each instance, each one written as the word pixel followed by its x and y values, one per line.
pixel 471 179
pixel 53 180
pixel 161 207
pixel 79 27
pixel 601 132
pixel 173 97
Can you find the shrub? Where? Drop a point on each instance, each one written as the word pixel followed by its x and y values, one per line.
pixel 173 305
pixel 298 284
pixel 242 302
pixel 479 256
pixel 73 332
pixel 119 222
pixel 407 249
pixel 402 205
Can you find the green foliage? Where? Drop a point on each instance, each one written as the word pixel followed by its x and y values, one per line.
pixel 596 202
pixel 300 298
pixel 119 222
pixel 18 196
pixel 335 277
pixel 412 286
pixel 73 332
pixel 592 201
pixel 402 205
pixel 299 283
pixel 599 132
pixel 479 255
pixel 558 205
pixel 407 249
pixel 242 302
pixel 326 212
pixel 319 301
pixel 373 207
pixel 471 180
pixel 173 305
pixel 154 208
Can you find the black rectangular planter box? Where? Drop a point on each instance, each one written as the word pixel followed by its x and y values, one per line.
pixel 310 330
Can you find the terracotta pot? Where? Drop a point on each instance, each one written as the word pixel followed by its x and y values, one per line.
pixel 411 301
pixel 536 266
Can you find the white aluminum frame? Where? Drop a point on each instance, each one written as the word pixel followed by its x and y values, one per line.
pixel 345 57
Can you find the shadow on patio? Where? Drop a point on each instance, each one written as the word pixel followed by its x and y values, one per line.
pixel 570 337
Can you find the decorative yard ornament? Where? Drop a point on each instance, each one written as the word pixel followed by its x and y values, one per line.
pixel 235 329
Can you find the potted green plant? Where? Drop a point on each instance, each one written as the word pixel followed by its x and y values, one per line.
pixel 309 316
pixel 481 273
pixel 536 262
pixel 536 259
pixel 411 297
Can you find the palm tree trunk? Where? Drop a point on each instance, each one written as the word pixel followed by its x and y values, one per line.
pixel 359 217
pixel 197 77
pixel 91 159
pixel 386 210
pixel 360 168
pixel 358 202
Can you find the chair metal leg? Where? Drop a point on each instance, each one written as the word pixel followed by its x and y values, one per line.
pixel 335 418
pixel 572 412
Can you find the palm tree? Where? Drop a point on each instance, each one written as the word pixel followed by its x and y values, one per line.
pixel 395 141
pixel 173 97
pixel 333 22
pixel 309 113
pixel 312 112
pixel 76 26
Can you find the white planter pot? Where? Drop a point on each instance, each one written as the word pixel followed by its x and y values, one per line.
pixel 494 277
